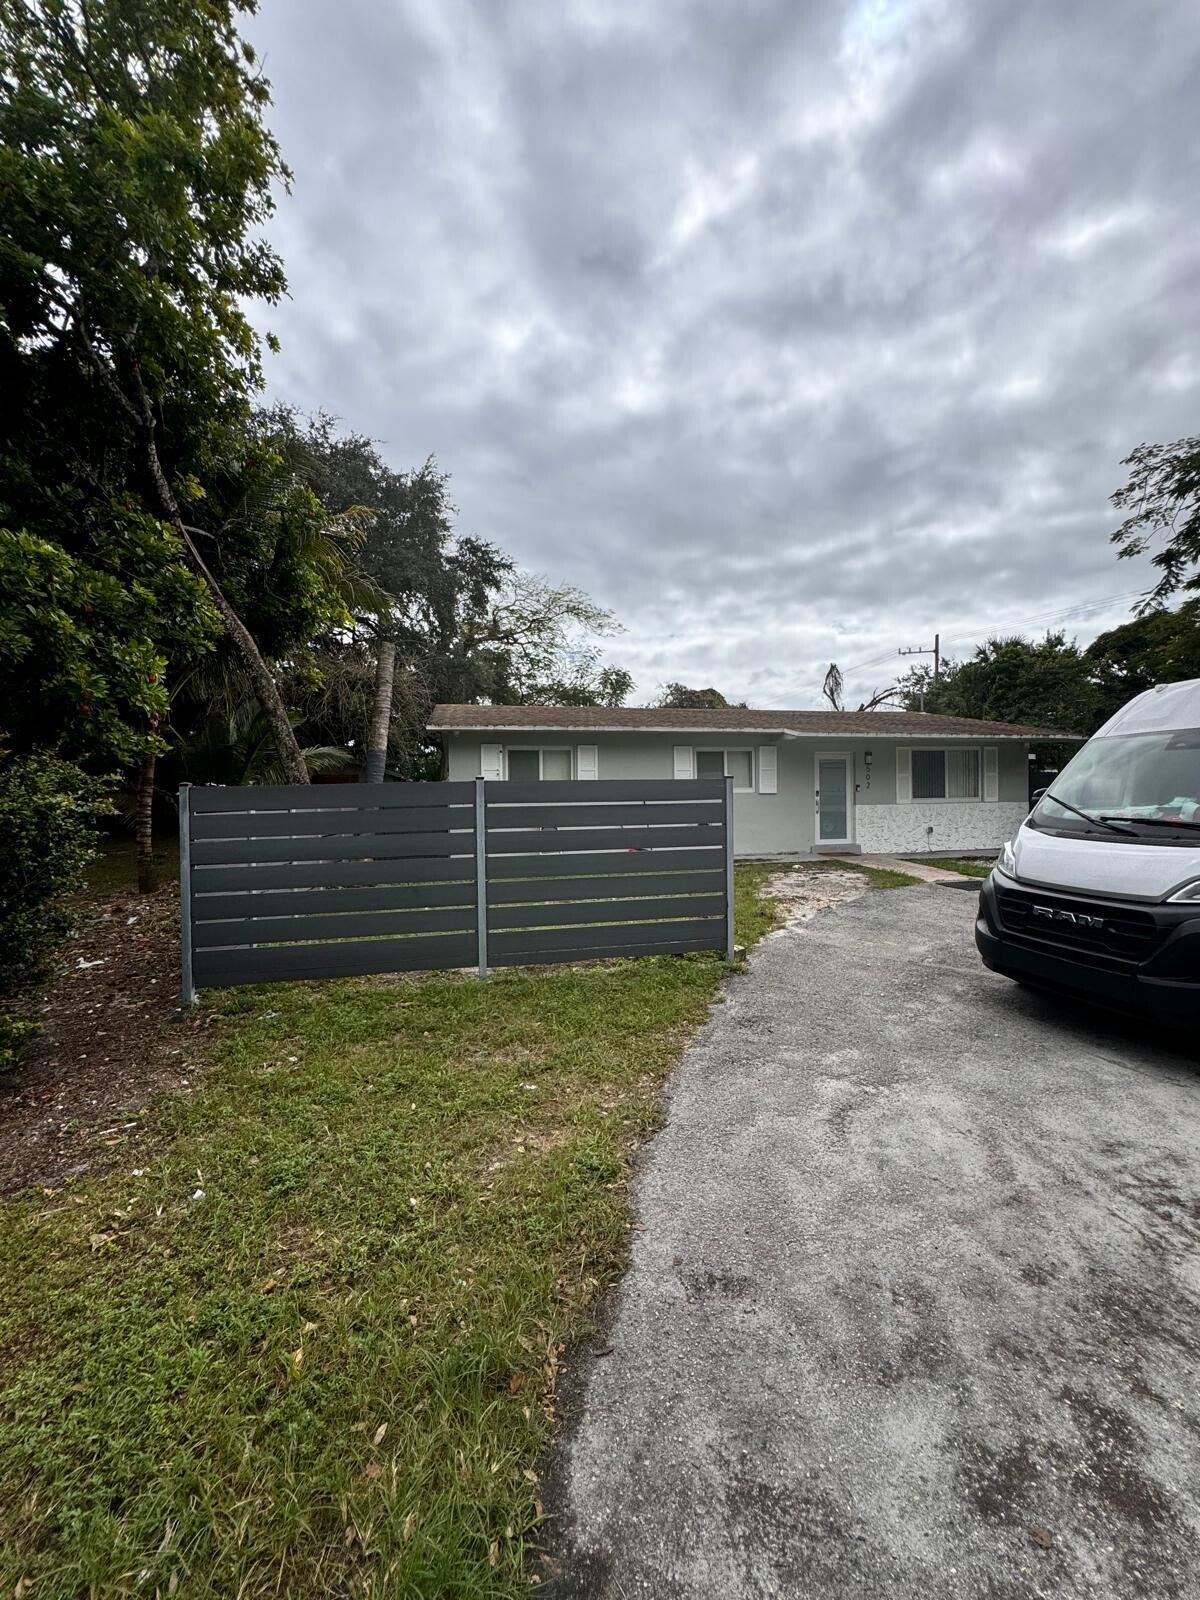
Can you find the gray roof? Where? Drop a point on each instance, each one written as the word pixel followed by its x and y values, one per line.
pixel 664 719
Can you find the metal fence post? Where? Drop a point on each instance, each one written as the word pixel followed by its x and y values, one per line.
pixel 187 987
pixel 730 936
pixel 481 894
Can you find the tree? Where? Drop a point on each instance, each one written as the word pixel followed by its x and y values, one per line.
pixel 1157 647
pixel 48 811
pixel 1162 498
pixel 137 172
pixel 534 647
pixel 1012 680
pixel 833 685
pixel 444 616
pixel 236 746
pixel 82 664
pixel 428 583
pixel 679 697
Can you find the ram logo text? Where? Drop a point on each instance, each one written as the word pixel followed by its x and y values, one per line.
pixel 1077 918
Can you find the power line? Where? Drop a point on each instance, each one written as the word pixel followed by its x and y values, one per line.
pixel 1081 610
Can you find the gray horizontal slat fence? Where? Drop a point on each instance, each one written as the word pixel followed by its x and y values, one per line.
pixel 375 820
pixel 577 871
pixel 312 881
pixel 329 798
pixel 680 813
pixel 538 946
pixel 337 874
pixel 323 882
pixel 515 891
pixel 601 863
pixel 337 847
pixel 595 912
pixel 351 959
pixel 537 841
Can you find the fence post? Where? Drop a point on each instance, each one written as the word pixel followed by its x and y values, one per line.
pixel 730 938
pixel 187 988
pixel 481 894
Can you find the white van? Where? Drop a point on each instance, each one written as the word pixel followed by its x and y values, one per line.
pixel 1099 892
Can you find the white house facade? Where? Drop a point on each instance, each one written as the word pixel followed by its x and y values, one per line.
pixel 803 781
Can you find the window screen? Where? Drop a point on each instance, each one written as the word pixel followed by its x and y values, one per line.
pixel 945 774
pixel 556 763
pixel 962 774
pixel 740 767
pixel 735 764
pixel 523 765
pixel 929 774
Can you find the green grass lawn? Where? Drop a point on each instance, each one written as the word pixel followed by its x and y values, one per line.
pixel 303 1339
pixel 970 869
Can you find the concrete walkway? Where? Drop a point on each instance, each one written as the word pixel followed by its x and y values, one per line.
pixel 926 871
pixel 914 1310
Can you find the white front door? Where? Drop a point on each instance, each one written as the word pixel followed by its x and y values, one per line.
pixel 835 800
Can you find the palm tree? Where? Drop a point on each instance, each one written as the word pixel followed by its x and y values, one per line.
pixel 237 746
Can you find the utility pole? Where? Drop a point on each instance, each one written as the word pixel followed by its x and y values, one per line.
pixel 934 650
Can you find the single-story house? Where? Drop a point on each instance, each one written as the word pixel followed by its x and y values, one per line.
pixel 873 781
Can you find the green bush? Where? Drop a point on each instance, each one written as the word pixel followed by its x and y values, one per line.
pixel 48 810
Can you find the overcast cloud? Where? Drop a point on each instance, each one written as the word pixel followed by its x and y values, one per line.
pixel 789 332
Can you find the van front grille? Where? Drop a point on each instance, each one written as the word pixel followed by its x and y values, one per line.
pixel 1116 936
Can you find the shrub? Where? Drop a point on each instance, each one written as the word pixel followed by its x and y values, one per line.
pixel 48 810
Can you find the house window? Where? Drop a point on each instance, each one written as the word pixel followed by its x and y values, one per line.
pixel 735 764
pixel 527 764
pixel 945 774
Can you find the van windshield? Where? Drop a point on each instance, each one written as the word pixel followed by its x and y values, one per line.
pixel 1147 784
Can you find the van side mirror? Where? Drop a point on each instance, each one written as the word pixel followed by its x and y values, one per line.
pixel 1037 795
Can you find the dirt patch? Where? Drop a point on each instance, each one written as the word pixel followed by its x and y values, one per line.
pixel 112 1036
pixel 801 892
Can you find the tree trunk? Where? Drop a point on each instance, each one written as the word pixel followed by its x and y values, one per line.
pixel 265 688
pixel 147 873
pixel 381 713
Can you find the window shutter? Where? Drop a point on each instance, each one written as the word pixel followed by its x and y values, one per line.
pixel 587 761
pixel 491 760
pixel 903 775
pixel 683 761
pixel 768 769
pixel 991 772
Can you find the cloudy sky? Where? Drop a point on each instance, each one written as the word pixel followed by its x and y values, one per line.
pixel 790 332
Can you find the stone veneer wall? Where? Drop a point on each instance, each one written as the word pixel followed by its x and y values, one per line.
pixel 957 825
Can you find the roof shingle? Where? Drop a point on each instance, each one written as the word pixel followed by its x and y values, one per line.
pixel 665 719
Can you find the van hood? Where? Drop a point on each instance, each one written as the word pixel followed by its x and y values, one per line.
pixel 1103 867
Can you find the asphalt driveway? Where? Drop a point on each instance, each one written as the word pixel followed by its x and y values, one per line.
pixel 916 1307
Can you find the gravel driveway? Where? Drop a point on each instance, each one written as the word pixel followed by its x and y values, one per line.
pixel 916 1307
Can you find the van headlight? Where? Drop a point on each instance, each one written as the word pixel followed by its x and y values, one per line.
pixel 1190 891
pixel 1007 861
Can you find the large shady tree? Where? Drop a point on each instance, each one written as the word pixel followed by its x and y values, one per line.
pixel 1161 502
pixel 135 171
